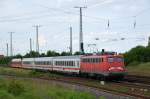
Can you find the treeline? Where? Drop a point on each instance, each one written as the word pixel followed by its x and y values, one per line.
pixel 6 60
pixel 139 54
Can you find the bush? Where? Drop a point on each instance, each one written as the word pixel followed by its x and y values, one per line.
pixel 134 63
pixel 138 54
pixel 34 73
pixel 5 60
pixel 5 95
pixel 2 84
pixel 15 88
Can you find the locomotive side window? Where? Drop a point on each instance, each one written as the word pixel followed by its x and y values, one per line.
pixel 110 60
pixel 102 60
pixel 92 60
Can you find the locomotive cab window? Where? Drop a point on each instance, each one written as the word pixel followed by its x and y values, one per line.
pixel 119 59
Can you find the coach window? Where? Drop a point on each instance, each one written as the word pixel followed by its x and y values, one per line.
pixel 72 63
pixel 67 63
pixel 59 63
pixel 49 63
pixel 78 63
pixel 62 63
pixel 56 63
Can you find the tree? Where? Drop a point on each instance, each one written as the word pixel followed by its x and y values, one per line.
pixel 32 54
pixel 138 54
pixel 52 53
pixel 42 55
pixel 65 54
pixel 18 56
pixel 77 53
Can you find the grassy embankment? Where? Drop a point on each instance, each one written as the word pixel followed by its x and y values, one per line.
pixel 142 69
pixel 30 89
pixel 35 74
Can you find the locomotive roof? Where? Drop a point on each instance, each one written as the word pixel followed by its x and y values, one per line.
pixel 100 56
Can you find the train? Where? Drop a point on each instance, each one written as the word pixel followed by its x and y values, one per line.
pixel 95 65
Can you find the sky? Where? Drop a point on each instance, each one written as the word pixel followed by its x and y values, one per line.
pixel 56 16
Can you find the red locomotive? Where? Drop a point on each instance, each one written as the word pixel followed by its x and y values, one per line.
pixel 105 65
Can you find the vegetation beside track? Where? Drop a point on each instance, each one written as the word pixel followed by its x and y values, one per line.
pixel 142 69
pixel 12 88
pixel 137 55
pixel 115 88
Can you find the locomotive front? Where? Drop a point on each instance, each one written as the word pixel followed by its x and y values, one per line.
pixel 116 65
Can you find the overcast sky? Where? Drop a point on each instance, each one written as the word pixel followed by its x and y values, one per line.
pixel 55 17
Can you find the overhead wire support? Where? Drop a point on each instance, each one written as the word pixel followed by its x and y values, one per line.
pixel 134 24
pixel 70 40
pixel 108 24
pixel 7 49
pixel 81 44
pixel 30 45
pixel 11 45
pixel 37 37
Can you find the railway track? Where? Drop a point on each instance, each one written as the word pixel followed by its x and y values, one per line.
pixel 87 82
pixel 138 79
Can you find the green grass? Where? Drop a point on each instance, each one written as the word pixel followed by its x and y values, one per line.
pixel 39 89
pixel 142 69
pixel 25 73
